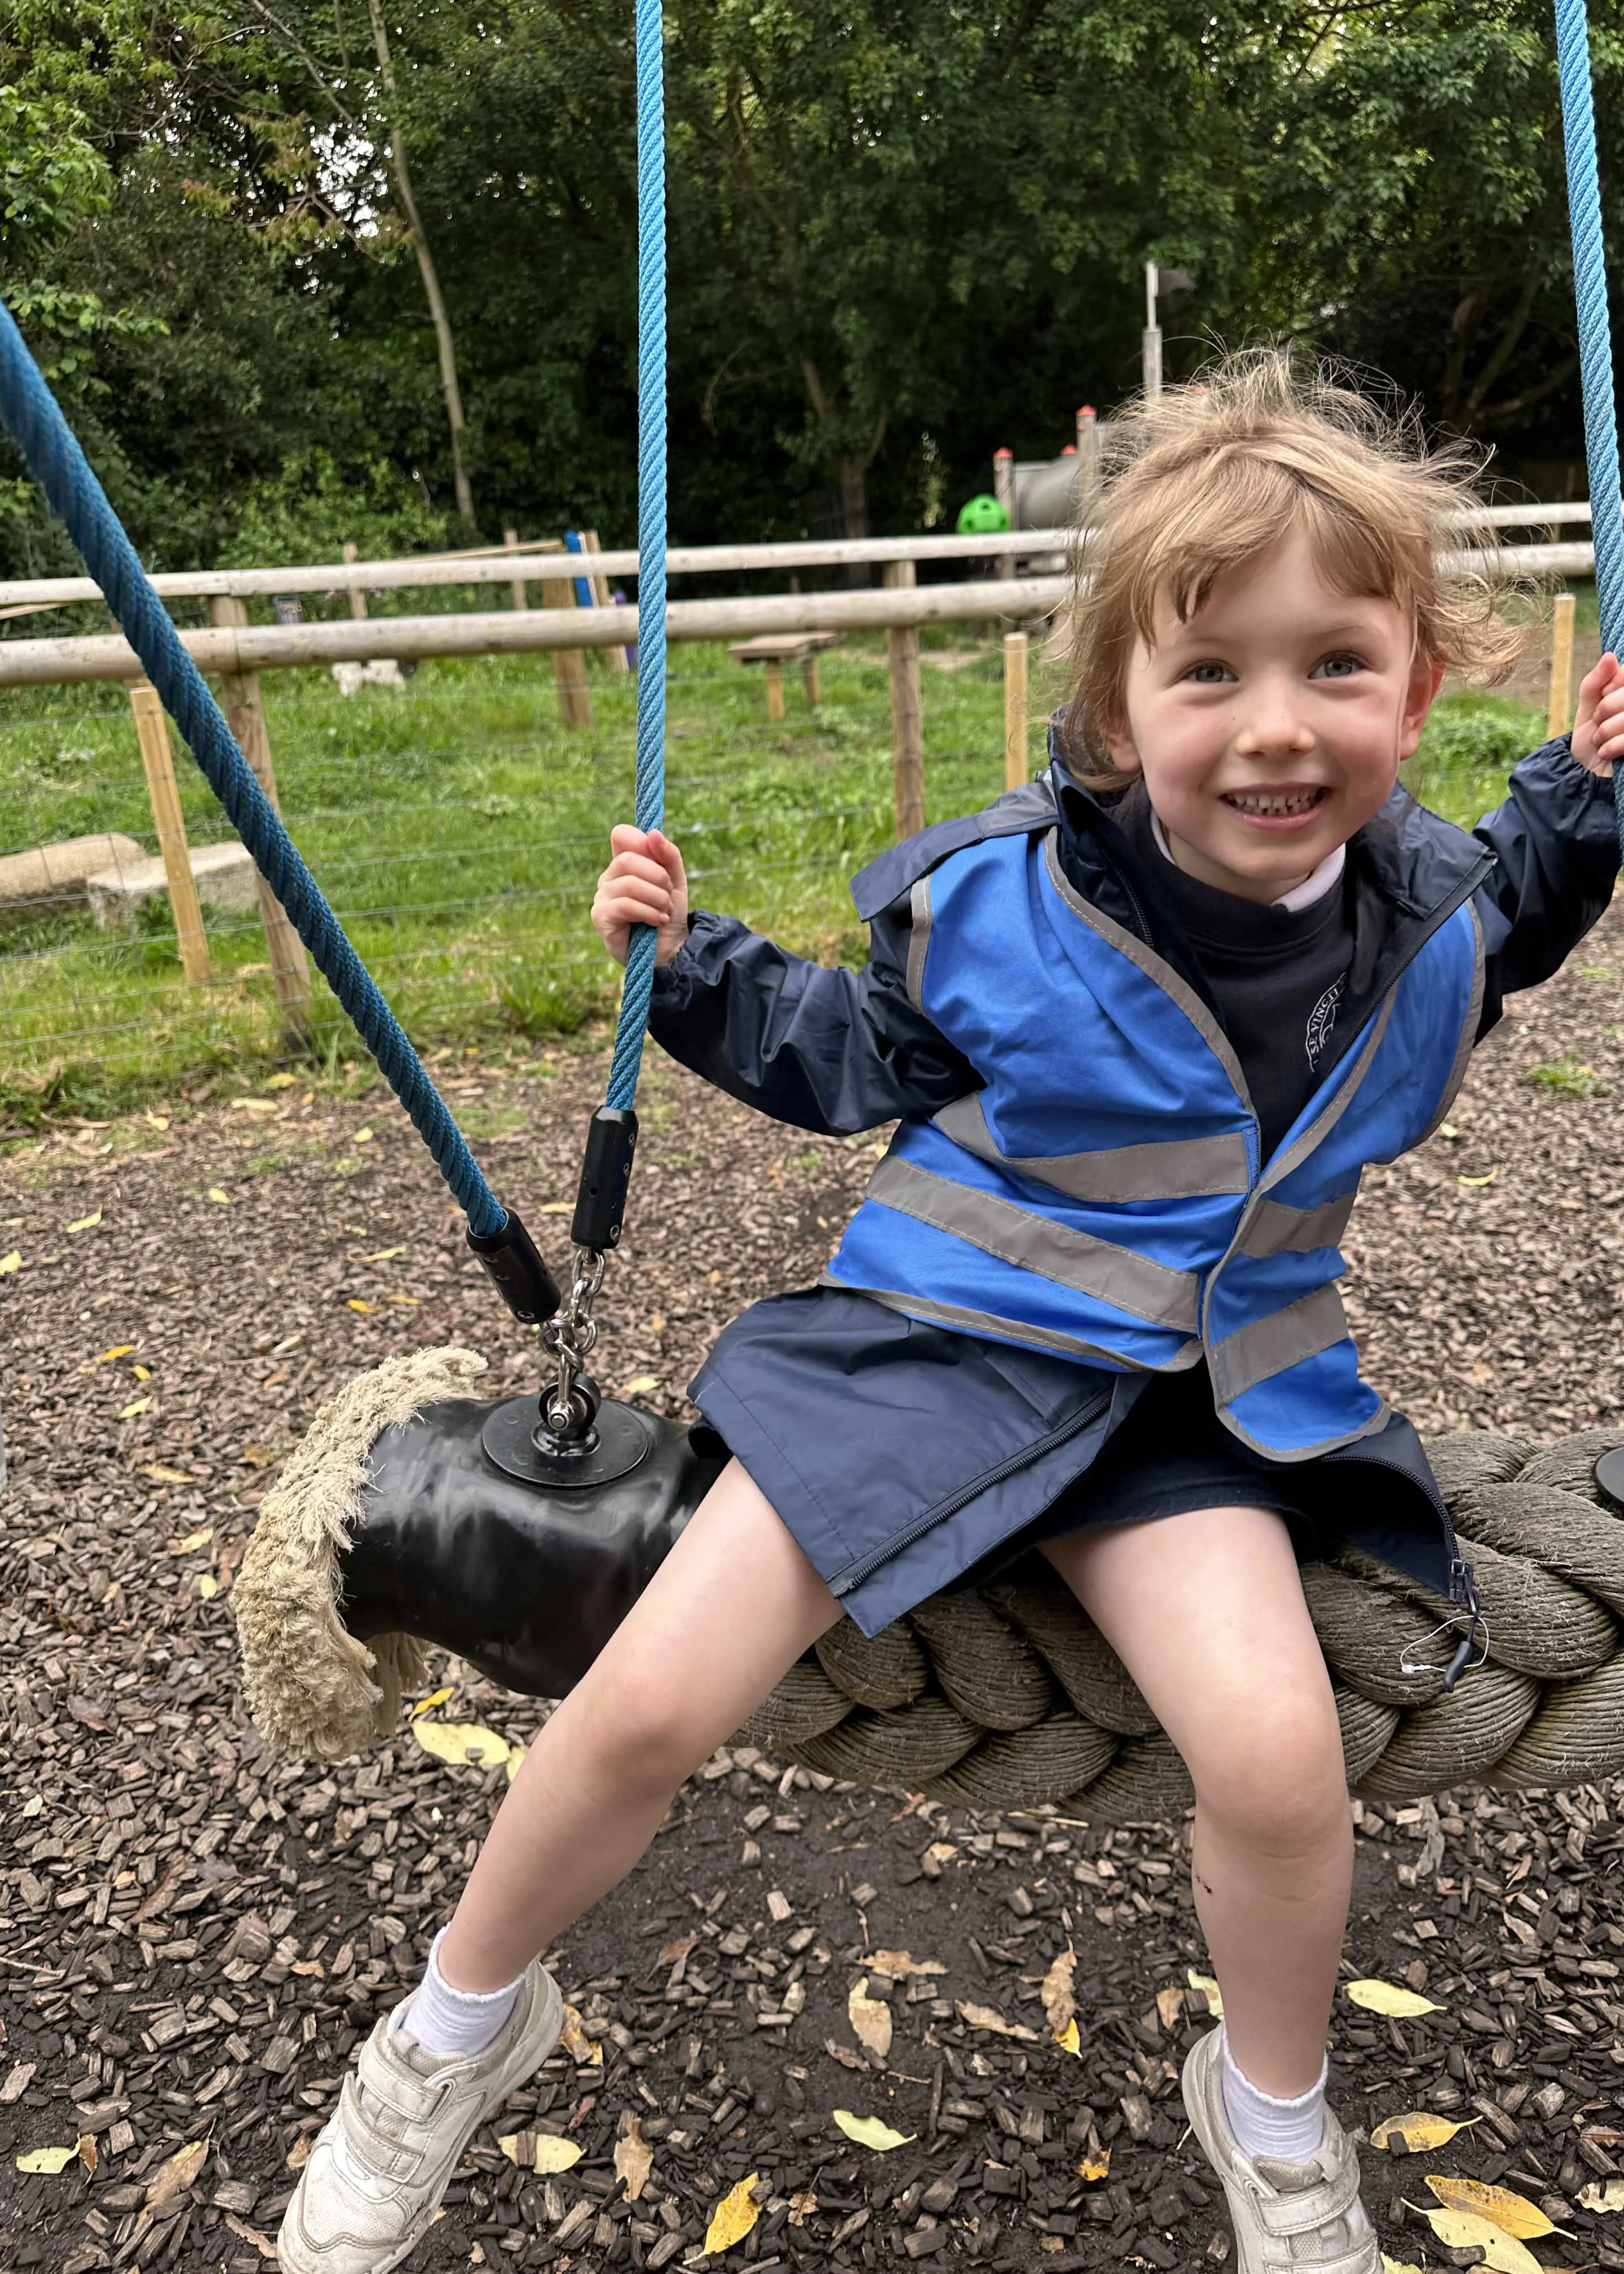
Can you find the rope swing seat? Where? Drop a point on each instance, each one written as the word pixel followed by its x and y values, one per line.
pixel 516 1533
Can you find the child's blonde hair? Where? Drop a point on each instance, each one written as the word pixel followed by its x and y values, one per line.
pixel 1205 477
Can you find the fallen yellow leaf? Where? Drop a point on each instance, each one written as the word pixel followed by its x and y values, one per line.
pixel 639 1386
pixel 381 1255
pixel 634 2160
pixel 1399 2265
pixel 119 1350
pixel 870 2132
pixel 1489 1179
pixel 1058 1992
pixel 136 1405
pixel 85 1224
pixel 253 1104
pixel 461 1742
pixel 142 1372
pixel 174 2175
pixel 1208 1989
pixel 220 1199
pixel 192 1541
pixel 1415 2130
pixel 1377 1997
pixel 1169 2007
pixel 1096 2161
pixel 156 1120
pixel 869 2017
pixel 278 1081
pixel 50 2159
pixel 1459 2230
pixel 410 1301
pixel 541 2152
pixel 366 1309
pixel 586 2051
pixel 733 2217
pixel 160 1472
pixel 1513 2214
pixel 362 1137
pixel 12 1263
pixel 209 1586
pixel 435 1697
pixel 899 1963
pixel 988 2018
pixel 1068 2040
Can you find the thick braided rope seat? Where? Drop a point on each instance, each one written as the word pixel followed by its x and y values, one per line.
pixel 1008 1697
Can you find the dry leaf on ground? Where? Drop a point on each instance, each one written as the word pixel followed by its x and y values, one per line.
pixel 988 2018
pixel 1513 2214
pixel 540 2152
pixel 1459 2230
pixel 1169 2007
pixel 1095 2162
pixel 175 2176
pixel 871 2132
pixel 86 1223
pixel 586 2051
pixel 1416 2129
pixel 48 2159
pixel 461 1742
pixel 1601 2195
pixel 733 2217
pixel 1208 1989
pixel 1377 1997
pixel 1059 1993
pixel 869 2017
pixel 634 2160
pixel 1068 2040
pixel 900 1963
pixel 435 1697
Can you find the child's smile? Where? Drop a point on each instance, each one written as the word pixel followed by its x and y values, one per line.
pixel 1270 725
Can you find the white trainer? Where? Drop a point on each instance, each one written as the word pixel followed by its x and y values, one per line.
pixel 1288 2217
pixel 385 2155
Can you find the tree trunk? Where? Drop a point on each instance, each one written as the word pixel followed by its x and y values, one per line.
pixel 854 498
pixel 432 293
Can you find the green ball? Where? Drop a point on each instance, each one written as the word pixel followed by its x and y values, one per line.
pixel 983 516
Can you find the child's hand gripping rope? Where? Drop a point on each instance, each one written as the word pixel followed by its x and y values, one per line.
pixel 1598 730
pixel 645 883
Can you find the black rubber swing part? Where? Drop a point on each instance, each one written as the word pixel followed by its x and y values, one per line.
pixel 514 1266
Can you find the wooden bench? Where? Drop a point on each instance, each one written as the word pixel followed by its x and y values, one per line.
pixel 775 650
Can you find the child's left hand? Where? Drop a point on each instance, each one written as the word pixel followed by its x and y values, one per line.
pixel 1598 732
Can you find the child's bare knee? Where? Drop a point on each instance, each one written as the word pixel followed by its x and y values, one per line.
pixel 1278 1783
pixel 641 1733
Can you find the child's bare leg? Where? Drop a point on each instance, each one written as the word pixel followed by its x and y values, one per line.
pixel 732 1605
pixel 1205 1610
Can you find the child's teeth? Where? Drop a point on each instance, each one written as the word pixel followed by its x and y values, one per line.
pixel 1258 804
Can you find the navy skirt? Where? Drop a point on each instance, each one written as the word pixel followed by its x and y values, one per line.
pixel 904 1457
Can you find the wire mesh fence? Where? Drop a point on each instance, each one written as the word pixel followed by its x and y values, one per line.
pixel 458 827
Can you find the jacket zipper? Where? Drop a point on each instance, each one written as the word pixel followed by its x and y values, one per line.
pixel 950 1506
pixel 1462 1588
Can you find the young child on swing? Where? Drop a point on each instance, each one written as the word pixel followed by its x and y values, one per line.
pixel 1142 1024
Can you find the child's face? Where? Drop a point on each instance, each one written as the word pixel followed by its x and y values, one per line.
pixel 1271 725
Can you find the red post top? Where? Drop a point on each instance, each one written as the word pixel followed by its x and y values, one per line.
pixel 1003 454
pixel 1069 451
pixel 1086 410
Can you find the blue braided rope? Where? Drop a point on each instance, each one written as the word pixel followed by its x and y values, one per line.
pixel 1601 430
pixel 61 469
pixel 650 800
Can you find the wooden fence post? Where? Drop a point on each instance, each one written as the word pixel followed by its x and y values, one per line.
pixel 1559 707
pixel 614 657
pixel 357 598
pixel 908 736
pixel 152 730
pixel 569 663
pixel 1015 763
pixel 1004 490
pixel 245 715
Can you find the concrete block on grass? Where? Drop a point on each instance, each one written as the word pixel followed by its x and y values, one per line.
pixel 48 878
pixel 224 874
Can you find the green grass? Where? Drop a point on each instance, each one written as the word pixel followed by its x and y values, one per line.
pixel 459 830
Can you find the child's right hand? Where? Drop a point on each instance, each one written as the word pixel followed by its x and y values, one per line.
pixel 1599 729
pixel 645 883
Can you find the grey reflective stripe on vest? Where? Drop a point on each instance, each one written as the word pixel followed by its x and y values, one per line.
pixel 1468 1043
pixel 1190 1168
pixel 1274 1229
pixel 1268 1345
pixel 968 1321
pixel 919 941
pixel 1146 958
pixel 1129 1282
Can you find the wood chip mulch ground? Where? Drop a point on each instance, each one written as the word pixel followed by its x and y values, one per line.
pixel 194 1938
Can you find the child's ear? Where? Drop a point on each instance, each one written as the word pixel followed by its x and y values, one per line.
pixel 1120 746
pixel 1427 676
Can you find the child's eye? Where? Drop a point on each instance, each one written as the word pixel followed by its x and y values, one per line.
pixel 1209 673
pixel 1341 665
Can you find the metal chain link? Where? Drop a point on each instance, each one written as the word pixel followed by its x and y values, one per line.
pixel 571 1335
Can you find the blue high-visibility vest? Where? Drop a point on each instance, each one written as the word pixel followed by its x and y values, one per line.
pixel 1102 1196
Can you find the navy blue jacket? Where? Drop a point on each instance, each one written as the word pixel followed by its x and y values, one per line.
pixel 839 1050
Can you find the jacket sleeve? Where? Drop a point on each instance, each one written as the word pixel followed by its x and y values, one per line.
pixel 830 1050
pixel 1555 842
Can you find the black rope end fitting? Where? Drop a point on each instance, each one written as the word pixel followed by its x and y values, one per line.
pixel 514 1268
pixel 605 1174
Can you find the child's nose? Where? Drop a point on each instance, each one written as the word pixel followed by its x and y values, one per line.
pixel 1272 722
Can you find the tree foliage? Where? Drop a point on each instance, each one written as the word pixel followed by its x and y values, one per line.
pixel 903 232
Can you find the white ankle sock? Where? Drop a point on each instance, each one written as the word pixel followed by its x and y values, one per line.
pixel 1266 2125
pixel 455 2023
